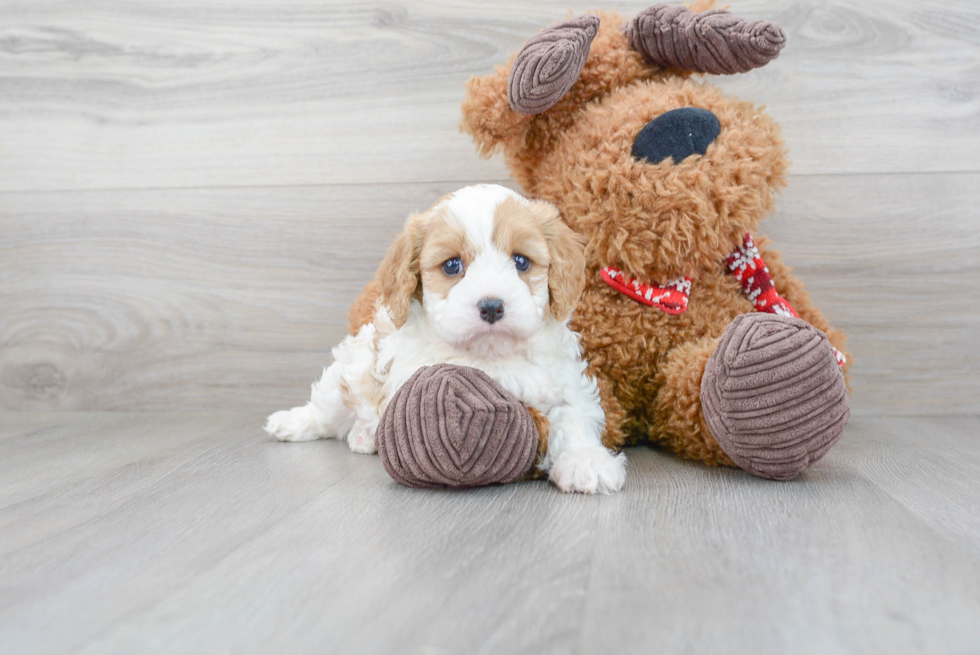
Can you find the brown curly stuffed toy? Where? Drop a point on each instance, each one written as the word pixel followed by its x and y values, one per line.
pixel 691 331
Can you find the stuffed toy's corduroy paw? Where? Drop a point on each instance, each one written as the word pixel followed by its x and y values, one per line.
pixel 453 426
pixel 773 395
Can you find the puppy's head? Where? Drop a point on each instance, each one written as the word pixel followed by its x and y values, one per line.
pixel 486 264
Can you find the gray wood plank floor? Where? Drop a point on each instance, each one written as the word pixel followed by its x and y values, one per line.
pixel 192 192
pixel 196 533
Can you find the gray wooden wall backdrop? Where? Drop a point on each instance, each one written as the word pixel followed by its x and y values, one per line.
pixel 192 191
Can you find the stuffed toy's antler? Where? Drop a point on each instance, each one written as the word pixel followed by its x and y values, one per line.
pixel 714 41
pixel 549 64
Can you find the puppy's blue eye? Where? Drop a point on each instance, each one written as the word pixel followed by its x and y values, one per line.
pixel 522 263
pixel 452 266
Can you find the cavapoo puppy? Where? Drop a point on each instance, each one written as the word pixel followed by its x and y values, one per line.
pixel 485 278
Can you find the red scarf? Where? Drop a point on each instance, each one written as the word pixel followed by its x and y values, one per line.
pixel 671 297
pixel 745 263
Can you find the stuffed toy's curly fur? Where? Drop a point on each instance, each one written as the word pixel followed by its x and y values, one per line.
pixel 661 220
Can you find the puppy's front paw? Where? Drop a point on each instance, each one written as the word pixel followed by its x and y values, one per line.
pixel 297 424
pixel 589 470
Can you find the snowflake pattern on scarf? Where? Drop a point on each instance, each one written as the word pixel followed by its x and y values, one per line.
pixel 745 263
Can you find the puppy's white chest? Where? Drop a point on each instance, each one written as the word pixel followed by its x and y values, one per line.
pixel 529 382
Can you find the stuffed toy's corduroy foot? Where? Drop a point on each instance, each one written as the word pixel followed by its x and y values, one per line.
pixel 773 395
pixel 453 426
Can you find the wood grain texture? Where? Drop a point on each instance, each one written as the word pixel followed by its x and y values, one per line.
pixel 194 533
pixel 187 298
pixel 848 560
pixel 168 299
pixel 893 260
pixel 191 194
pixel 261 92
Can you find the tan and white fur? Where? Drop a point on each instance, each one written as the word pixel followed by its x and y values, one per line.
pixel 426 315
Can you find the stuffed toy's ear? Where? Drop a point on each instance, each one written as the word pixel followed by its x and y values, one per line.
pixel 498 108
pixel 487 115
pixel 703 40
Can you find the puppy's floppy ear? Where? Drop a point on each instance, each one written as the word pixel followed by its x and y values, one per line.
pixel 398 275
pixel 566 275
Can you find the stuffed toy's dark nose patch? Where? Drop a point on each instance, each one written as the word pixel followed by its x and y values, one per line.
pixel 678 134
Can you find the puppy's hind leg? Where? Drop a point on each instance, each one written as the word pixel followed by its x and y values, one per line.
pixel 325 416
pixel 361 437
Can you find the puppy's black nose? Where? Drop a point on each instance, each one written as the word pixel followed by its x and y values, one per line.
pixel 491 309
pixel 678 134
